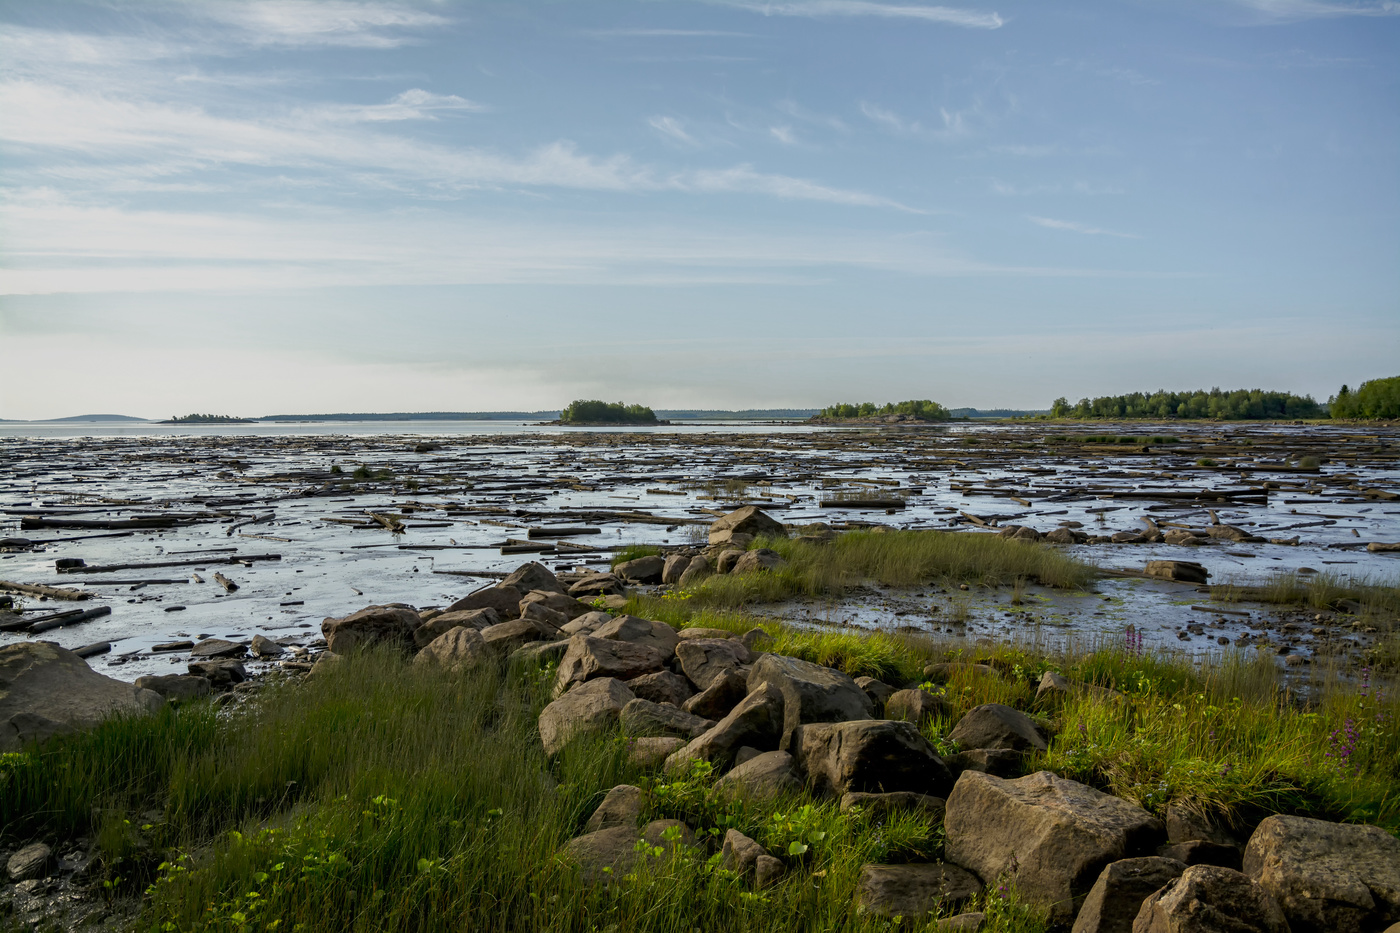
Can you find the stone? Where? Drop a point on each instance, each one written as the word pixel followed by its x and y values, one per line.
pixel 1127 537
pixel 721 696
pixel 218 648
pixel 1181 536
pixel 642 569
pixel 912 891
pixel 765 776
pixel 878 805
pixel 460 648
pixel 1116 897
pixel 867 755
pixel 740 854
pixel 643 717
pixel 540 653
pixel 224 672
pixel 588 657
pixel 916 706
pixel 993 725
pixel 440 624
pixel 667 687
pixel 1231 533
pixel 969 922
pixel 757 560
pixel 505 600
pixel 504 637
pixel 588 623
pixel 550 620
pixel 265 647
pixel 1201 852
pixel 756 721
pixel 177 688
pixel 1327 876
pixel 1061 536
pixel 695 571
pixel 589 707
pixel 651 751
pixel 621 806
pixel 657 635
pixel 1185 824
pixel 612 852
pixel 1210 899
pixel 811 693
pixel 32 861
pixel 674 567
pixel 942 671
pixel 530 577
pixel 372 625
pixel 878 691
pixel 559 602
pixel 730 539
pixel 727 560
pixel 46 690
pixel 595 585
pixel 749 520
pixel 705 660
pixel 1052 687
pixel 700 631
pixel 1049 836
pixel 746 753
pixel 1002 762
pixel 1184 570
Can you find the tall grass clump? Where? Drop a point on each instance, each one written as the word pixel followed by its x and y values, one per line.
pixel 1317 591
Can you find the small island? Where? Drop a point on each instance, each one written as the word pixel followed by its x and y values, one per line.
pixel 594 412
pixel 889 413
pixel 207 419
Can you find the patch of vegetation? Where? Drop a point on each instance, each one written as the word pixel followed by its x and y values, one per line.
pixel 923 409
pixel 1376 398
pixel 596 412
pixel 206 419
pixel 1237 405
pixel 364 473
pixel 1318 591
pixel 633 551
pixel 1153 440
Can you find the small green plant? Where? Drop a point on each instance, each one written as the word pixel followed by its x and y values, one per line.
pixel 1206 462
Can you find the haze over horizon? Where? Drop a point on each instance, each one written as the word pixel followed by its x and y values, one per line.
pixel 277 206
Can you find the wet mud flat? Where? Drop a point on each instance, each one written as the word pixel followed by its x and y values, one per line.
pixel 151 543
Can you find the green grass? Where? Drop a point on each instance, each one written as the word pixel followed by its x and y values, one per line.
pixel 1317 591
pixel 633 551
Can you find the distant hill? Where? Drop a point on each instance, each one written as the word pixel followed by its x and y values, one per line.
pixel 73 418
pixel 747 414
pixel 421 416
pixel 995 412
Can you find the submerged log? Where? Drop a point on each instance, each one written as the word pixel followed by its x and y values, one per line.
pixel 51 592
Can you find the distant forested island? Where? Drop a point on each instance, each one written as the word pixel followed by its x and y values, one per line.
pixel 206 419
pixel 1236 405
pixel 593 411
pixel 1377 398
pixel 913 410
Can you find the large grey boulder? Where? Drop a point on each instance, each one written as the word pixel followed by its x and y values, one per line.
pixel 556 602
pixel 675 566
pixel 46 690
pixel 177 688
pixel 871 755
pixel 460 648
pixel 531 577
pixel 504 600
pixel 589 707
pixel 621 806
pixel 880 805
pixel 552 620
pixel 911 891
pixel 666 687
pixel 1049 836
pixel 32 861
pixel 762 777
pixel 811 693
pixel 749 520
pixel 1210 899
pixel 757 560
pixel 219 648
pixel 642 569
pixel 608 854
pixel 1335 877
pixel 588 623
pixel 643 717
pixel 595 585
pixel 444 622
pixel 878 691
pixel 916 706
pixel 696 570
pixel 373 625
pixel 704 660
pixel 721 696
pixel 504 637
pixel 588 657
pixel 226 672
pixel 993 725
pixel 650 752
pixel 757 721
pixel 656 635
pixel 1116 898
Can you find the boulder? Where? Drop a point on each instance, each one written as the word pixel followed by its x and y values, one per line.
pixel 727 560
pixel 877 806
pixel 444 622
pixel 1061 536
pixel 730 540
pixel 612 852
pixel 1002 762
pixel 700 631
pixel 767 871
pixel 460 648
pixel 643 717
pixel 590 707
pixel 219 648
pixel 756 721
pixel 227 672
pixel 969 922
pixel 651 751
pixel 588 657
pixel 666 687
pixel 1052 687
pixel 695 571
pixel 993 725
pixel 1181 536
pixel 1210 899
pixel 46 690
pixel 1049 836
pixel 657 635
pixel 941 672
pixel 533 576
pixel 505 600
pixel 588 623
pixel 1184 570
pixel 642 569
pixel 763 777
pixel 675 566
pixel 1116 898
pixel 550 620
pixel 32 861
pixel 1185 824
pixel 622 806
pixel 539 653
pixel 595 585
pixel 1231 533
pixel 912 891
pixel 504 637
pixel 705 660
pixel 177 687
pixel 265 647
pixel 756 560
pixel 1201 852
pixel 867 755
pixel 721 696
pixel 740 854
pixel 1327 876
pixel 916 706
pixel 559 602
pixel 750 520
pixel 391 625
pixel 878 691
pixel 811 693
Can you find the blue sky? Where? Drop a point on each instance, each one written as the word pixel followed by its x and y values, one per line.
pixel 289 205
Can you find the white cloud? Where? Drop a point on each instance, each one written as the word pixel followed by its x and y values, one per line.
pixel 742 178
pixel 783 134
pixel 1289 11
pixel 887 118
pixel 645 33
pixel 324 22
pixel 1079 228
pixel 413 104
pixel 827 8
pixel 672 129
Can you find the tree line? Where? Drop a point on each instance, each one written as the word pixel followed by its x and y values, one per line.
pixel 592 411
pixel 922 409
pixel 1376 398
pixel 1237 405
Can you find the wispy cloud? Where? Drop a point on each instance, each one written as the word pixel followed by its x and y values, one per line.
pixel 1112 72
pixel 952 16
pixel 672 129
pixel 953 126
pixel 1079 228
pixel 324 23
pixel 645 33
pixel 413 104
pixel 1289 11
pixel 783 134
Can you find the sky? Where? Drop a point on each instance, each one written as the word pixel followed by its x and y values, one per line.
pixel 290 206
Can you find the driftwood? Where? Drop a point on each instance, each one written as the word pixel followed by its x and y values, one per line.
pixel 112 525
pixel 43 625
pixel 152 565
pixel 35 589
pixel 228 585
